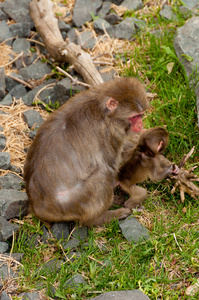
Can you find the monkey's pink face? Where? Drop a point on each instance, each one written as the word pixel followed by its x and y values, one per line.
pixel 136 122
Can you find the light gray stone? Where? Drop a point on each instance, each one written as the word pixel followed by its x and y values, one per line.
pixel 122 295
pixel 18 10
pixel 33 118
pixel 6 229
pixel 133 231
pixel 2 83
pixel 35 71
pixel 4 160
pixel 13 204
pixel 132 5
pixel 83 9
pixel 186 44
pixel 10 181
pixel 123 30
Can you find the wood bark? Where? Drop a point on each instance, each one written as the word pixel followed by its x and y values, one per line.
pixel 47 26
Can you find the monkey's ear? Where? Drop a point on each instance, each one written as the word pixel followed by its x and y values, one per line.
pixel 159 146
pixel 111 103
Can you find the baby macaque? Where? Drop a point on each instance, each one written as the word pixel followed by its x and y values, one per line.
pixel 72 163
pixel 146 161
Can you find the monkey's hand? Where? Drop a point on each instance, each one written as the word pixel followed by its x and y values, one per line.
pixel 184 181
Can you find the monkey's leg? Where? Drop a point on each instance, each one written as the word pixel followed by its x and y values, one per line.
pixel 137 196
pixel 110 215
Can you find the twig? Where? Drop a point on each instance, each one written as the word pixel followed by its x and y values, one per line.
pixel 21 81
pixel 103 63
pixel 177 242
pixel 186 157
pixel 99 262
pixel 74 81
pixel 36 42
pixel 10 62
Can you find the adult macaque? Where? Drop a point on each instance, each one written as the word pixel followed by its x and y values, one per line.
pixel 145 161
pixel 73 160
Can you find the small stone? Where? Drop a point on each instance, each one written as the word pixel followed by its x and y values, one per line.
pixel 6 229
pixel 133 230
pixel 13 204
pixel 10 181
pixel 4 160
pixel 33 118
pixel 2 142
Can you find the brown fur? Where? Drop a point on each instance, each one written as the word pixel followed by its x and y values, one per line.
pixel 145 161
pixel 73 160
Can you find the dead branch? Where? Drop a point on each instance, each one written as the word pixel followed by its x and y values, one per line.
pixel 185 178
pixel 47 26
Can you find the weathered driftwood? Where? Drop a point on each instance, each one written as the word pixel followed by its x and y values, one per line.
pixel 47 26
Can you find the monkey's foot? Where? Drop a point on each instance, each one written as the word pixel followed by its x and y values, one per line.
pixel 184 181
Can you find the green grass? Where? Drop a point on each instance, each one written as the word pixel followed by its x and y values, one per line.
pixel 166 264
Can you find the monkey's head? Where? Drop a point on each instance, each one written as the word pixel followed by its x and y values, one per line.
pixel 153 140
pixel 127 100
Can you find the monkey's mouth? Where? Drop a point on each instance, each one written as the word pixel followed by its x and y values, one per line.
pixel 136 123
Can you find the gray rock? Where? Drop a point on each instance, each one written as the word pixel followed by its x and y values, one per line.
pixel 32 134
pixel 2 83
pixel 2 142
pixel 10 82
pixel 61 230
pixel 64 90
pixel 71 244
pixel 16 256
pixel 3 247
pixel 15 169
pixel 28 99
pixel 63 26
pixel 104 10
pixel 17 10
pixel 122 295
pixel 194 4
pixel 5 33
pixel 113 18
pixel 117 2
pixel 13 204
pixel 139 24
pixel 6 229
pixel 133 231
pixel 72 36
pixel 132 5
pixel 83 10
pixel 29 296
pixel 52 266
pixel 186 44
pixel 75 281
pixel 86 40
pixel 21 44
pixel 18 91
pixel 4 160
pixel 81 233
pixel 35 71
pixel 3 16
pixel 101 24
pixel 5 271
pixel 124 30
pixel 10 181
pixel 7 100
pixel 168 13
pixel 1 128
pixel 4 296
pixel 25 60
pixel 20 30
pixel 33 118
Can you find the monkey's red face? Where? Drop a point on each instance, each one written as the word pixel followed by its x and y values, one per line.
pixel 136 122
